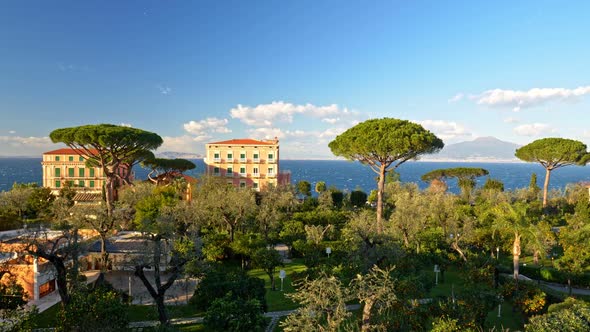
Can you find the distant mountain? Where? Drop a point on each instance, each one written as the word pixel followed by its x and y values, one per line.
pixel 484 149
pixel 182 155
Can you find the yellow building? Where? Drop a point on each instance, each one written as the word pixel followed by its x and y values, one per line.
pixel 66 167
pixel 246 163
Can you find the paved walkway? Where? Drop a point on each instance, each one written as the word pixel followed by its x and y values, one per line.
pixel 179 293
pixel 554 286
pixel 273 315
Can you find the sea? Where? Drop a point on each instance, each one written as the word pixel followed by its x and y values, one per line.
pixel 344 175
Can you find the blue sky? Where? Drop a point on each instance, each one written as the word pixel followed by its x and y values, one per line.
pixel 304 71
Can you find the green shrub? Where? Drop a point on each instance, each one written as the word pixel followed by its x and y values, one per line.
pixel 571 315
pixel 216 284
pixel 533 272
pixel 552 275
pixel 99 309
pixel 235 314
pixel 527 297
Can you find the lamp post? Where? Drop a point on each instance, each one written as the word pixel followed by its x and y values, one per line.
pixel 436 271
pixel 282 275
pixel 498 253
pixel 328 251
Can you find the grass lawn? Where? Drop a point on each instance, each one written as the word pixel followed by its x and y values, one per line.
pixel 149 312
pixel 137 313
pixel 508 319
pixel 276 300
pixel 453 282
pixel 49 317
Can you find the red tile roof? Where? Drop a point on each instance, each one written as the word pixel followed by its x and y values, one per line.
pixel 70 151
pixel 243 141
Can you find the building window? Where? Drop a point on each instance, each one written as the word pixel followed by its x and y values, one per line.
pixel 81 172
pixel 91 183
pixel 57 184
pixel 71 158
pixel 256 157
pixel 243 171
pixel 71 172
pixel 255 185
pixel 230 171
pixel 81 158
pixel 47 288
pixel 271 156
pixel 92 172
pixel 71 183
pixel 271 170
pixel 242 184
pixel 56 158
pixel 57 172
pixel 230 156
pixel 243 157
pixel 216 171
pixel 255 171
pixel 81 183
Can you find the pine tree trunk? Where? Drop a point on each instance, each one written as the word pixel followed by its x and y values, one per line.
pixel 546 186
pixel 380 189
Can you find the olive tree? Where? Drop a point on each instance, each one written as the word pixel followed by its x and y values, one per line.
pixel 553 153
pixel 109 147
pixel 171 242
pixel 384 144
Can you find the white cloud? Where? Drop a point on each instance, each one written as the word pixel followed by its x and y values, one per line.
pixel 446 130
pixel 534 129
pixel 26 146
pixel 12 132
pixel 270 133
pixel 523 99
pixel 331 132
pixel 586 134
pixel 511 120
pixel 126 124
pixel 209 125
pixel 264 115
pixel 456 98
pixel 266 133
pixel 331 120
pixel 165 90
pixel 185 143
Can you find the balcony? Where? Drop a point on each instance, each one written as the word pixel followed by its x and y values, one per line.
pixel 255 175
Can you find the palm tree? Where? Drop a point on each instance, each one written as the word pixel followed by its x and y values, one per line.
pixel 514 218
